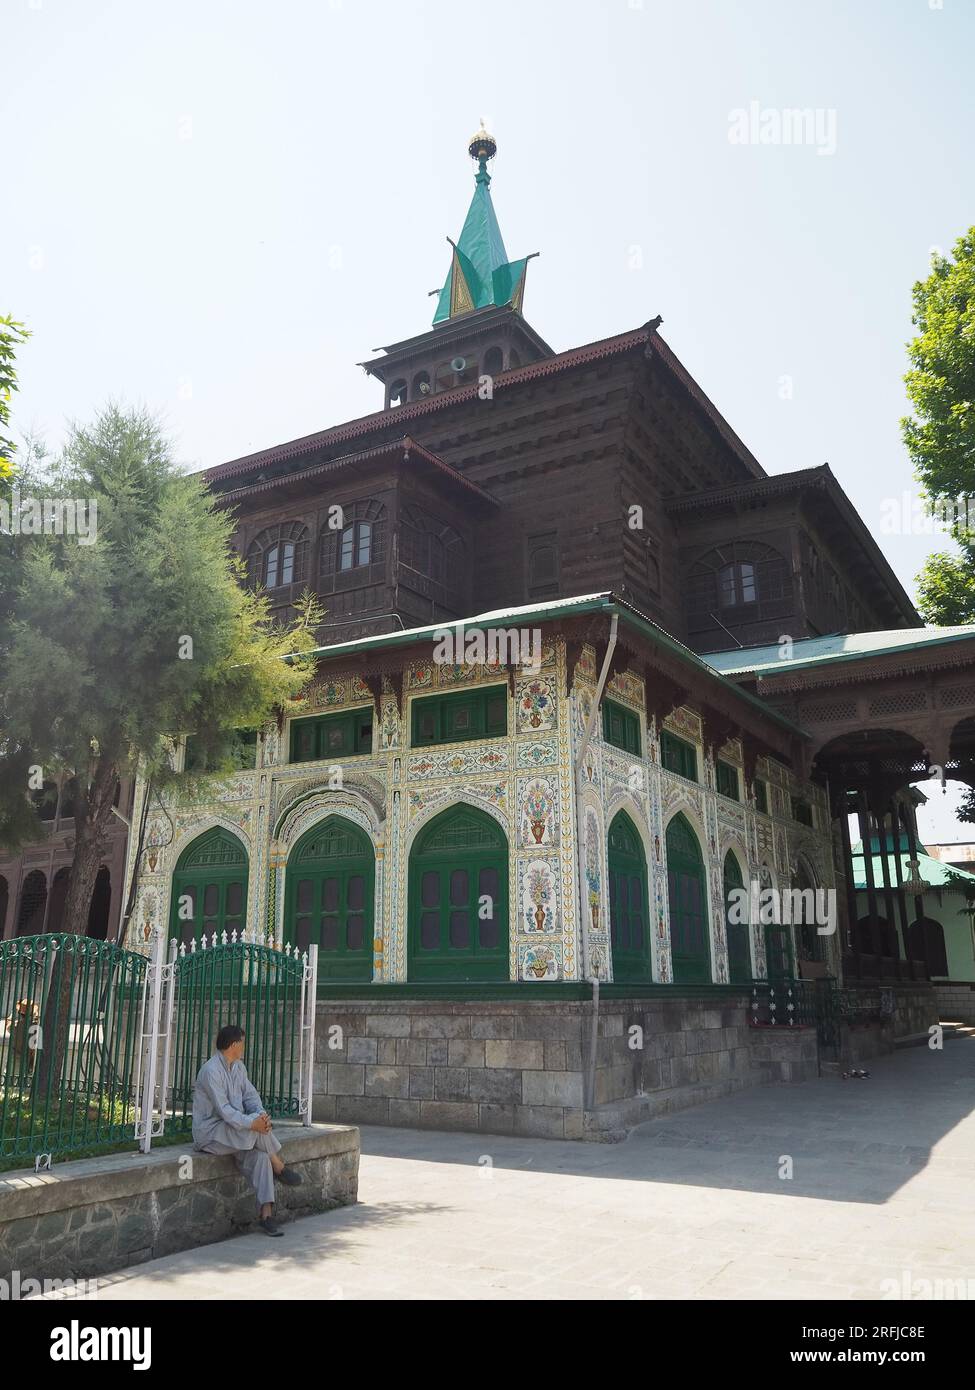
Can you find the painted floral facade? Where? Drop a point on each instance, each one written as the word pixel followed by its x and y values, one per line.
pixel 524 781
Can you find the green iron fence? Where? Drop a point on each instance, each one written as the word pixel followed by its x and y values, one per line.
pixel 267 992
pixel 100 1046
pixel 70 1044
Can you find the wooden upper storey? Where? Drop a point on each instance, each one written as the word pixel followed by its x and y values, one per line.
pixel 602 468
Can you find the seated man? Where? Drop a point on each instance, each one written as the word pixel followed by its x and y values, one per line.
pixel 228 1118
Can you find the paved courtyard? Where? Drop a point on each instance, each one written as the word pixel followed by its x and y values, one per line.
pixel 689 1206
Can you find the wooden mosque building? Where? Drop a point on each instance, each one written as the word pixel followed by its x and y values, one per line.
pixel 554 727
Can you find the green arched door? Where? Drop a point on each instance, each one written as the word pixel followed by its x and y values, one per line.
pixel 209 887
pixel 736 919
pixel 778 941
pixel 328 898
pixel 458 899
pixel 629 917
pixel 687 890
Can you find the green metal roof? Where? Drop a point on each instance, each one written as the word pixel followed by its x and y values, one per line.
pixel 606 602
pixel 821 651
pixel 480 273
pixel 934 873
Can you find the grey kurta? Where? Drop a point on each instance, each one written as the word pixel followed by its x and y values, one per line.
pixel 224 1108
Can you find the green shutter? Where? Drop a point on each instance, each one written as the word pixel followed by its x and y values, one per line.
pixel 678 756
pixel 458 864
pixel 210 879
pixel 621 727
pixel 460 717
pixel 727 780
pixel 690 944
pixel 332 736
pixel 736 933
pixel 629 913
pixel 328 898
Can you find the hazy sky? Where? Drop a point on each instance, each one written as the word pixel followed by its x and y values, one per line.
pixel 219 207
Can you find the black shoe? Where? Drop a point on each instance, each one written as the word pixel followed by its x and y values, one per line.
pixel 290 1177
pixel 271 1228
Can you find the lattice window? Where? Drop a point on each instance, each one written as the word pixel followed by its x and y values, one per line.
pixel 462 832
pixel 623 838
pixel 336 841
pixel 831 713
pixel 957 695
pixel 681 839
pixel 432 548
pixel 33 901
pixel 900 702
pixel 216 849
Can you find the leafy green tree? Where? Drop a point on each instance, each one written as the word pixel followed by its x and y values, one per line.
pixel 940 436
pixel 12 334
pixel 117 645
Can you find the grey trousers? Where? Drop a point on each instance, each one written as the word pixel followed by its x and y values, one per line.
pixel 254 1160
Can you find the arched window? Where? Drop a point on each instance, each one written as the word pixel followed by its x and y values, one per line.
pixel 278 556
pixel 459 371
pixel 778 942
pixel 209 887
pixel 743 581
pixel 458 898
pixel 101 904
pixel 420 387
pixel 543 565
pixel 736 923
pixel 493 362
pixel 59 893
pixel 629 910
pixel 432 548
pixel 687 890
pixel 328 899
pixel 809 943
pixel 360 542
pixel 33 901
pixel 926 941
pixel 514 360
pixel 397 392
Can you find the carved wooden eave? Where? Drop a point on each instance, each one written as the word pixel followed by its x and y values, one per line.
pixel 878 668
pixel 670 683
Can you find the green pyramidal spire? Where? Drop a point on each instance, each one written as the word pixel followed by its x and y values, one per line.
pixel 480 273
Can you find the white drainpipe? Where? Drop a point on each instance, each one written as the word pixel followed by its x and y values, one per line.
pixel 579 770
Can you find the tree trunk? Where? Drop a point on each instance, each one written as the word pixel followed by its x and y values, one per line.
pixel 93 811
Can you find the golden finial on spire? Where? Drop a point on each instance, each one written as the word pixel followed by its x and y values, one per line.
pixel 482 146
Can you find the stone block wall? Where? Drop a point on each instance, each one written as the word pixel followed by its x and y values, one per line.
pixel 529 1068
pixel 82 1219
pixel 956 1002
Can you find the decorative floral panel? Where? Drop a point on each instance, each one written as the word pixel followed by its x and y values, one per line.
pixel 538 892
pixel 539 811
pixel 537 705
